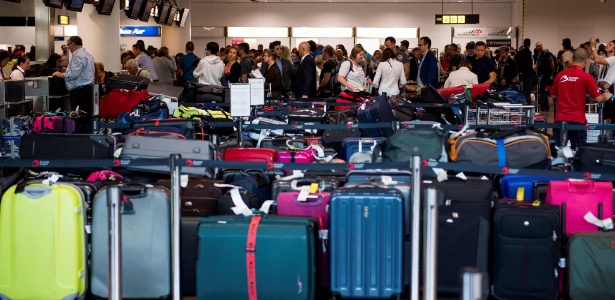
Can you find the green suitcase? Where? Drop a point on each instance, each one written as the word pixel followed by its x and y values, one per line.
pixel 42 242
pixel 284 255
pixel 591 265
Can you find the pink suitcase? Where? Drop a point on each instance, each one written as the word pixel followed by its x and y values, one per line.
pixel 265 155
pixel 315 206
pixel 44 123
pixel 581 197
pixel 303 156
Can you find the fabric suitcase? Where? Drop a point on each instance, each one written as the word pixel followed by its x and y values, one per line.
pixel 199 198
pixel 127 82
pixel 463 230
pixel 591 265
pixel 377 110
pixel 475 90
pixel 366 242
pixel 353 145
pixel 118 101
pixel 43 253
pixel 250 155
pixel 189 253
pixel 145 245
pixel 284 258
pixel 426 142
pixel 13 129
pixel 526 188
pixel 526 251
pixel 577 198
pixel 314 206
pixel 596 157
pixel 136 147
pixel 67 146
pixel 200 93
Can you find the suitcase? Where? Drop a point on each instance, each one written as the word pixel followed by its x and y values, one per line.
pixel 253 181
pixel 280 143
pixel 13 129
pixel 591 265
pixel 576 198
pixel 46 123
pixel 353 145
pixel 314 206
pixel 137 147
pixel 304 156
pixel 526 188
pixel 73 124
pixel 463 230
pixel 127 82
pixel 526 251
pixel 43 253
pixel 377 110
pixel 145 245
pixel 119 100
pixel 200 93
pixel 284 257
pixel 377 175
pixel 312 140
pixel 475 90
pixel 199 198
pixel 331 138
pixel 264 155
pixel 64 146
pixel 366 242
pixel 325 184
pixel 596 158
pixel 189 253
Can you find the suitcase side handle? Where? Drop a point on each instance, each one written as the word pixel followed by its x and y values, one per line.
pixel 35 192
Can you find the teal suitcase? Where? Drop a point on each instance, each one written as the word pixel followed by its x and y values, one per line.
pixel 285 258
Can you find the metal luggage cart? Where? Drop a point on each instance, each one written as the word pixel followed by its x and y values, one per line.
pixel 500 113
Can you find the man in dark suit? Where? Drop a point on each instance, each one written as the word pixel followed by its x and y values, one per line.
pixel 428 68
pixel 286 67
pixel 306 77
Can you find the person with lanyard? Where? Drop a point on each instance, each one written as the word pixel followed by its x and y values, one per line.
pixel 569 88
pixel 79 76
pixel 19 71
pixel 5 56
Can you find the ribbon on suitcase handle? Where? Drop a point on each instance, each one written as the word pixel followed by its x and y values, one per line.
pixel 240 207
pixel 606 224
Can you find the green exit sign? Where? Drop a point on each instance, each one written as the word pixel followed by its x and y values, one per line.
pixel 457 19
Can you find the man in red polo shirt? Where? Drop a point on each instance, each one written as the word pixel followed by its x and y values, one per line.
pixel 570 87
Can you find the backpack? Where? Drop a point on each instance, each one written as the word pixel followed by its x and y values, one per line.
pixel 334 84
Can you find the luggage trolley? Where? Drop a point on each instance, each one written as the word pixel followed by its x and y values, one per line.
pixel 500 113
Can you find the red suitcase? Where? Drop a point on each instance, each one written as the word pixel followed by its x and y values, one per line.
pixel 475 90
pixel 250 155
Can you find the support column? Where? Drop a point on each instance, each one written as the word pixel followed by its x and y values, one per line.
pixel 175 38
pixel 43 31
pixel 101 35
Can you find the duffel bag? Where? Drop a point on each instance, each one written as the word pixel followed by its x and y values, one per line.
pixel 195 92
pixel 514 148
pixel 426 142
pixel 118 101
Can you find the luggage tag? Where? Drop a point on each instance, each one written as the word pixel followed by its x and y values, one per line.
pixel 605 224
pixel 240 207
pixel 323 234
pixel 320 154
pixel 306 191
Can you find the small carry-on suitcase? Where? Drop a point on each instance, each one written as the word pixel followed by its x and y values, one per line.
pixel 377 110
pixel 281 251
pixel 526 251
pixel 250 155
pixel 578 197
pixel 366 242
pixel 591 265
pixel 325 184
pixel 525 188
pixel 43 253
pixel 352 145
pixel 463 230
pixel 128 82
pixel 136 147
pixel 62 146
pixel 145 245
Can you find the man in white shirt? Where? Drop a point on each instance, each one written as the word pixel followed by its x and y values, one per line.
pixel 210 68
pixel 462 76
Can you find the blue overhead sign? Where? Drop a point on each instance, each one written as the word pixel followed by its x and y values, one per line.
pixel 151 31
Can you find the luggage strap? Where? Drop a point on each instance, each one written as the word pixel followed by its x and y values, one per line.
pixel 501 153
pixel 250 257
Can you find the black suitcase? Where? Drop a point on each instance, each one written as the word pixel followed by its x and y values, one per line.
pixel 526 251
pixel 189 254
pixel 377 110
pixel 67 146
pixel 331 138
pixel 195 92
pixel 463 230
pixel 595 157
pixel 128 82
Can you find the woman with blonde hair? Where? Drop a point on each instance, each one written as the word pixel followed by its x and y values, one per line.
pixel 286 53
pixel 102 77
pixel 351 75
pixel 232 69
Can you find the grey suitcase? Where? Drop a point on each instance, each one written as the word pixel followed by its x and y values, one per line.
pixel 145 244
pixel 136 147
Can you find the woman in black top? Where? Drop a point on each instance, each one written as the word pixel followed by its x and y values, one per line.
pixel 102 78
pixel 232 70
pixel 51 65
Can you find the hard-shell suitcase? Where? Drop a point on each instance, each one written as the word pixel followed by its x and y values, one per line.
pixel 366 242
pixel 189 253
pixel 199 197
pixel 304 156
pixel 13 129
pixel 591 265
pixel 250 155
pixel 136 147
pixel 42 232
pixel 145 245
pixel 128 82
pixel 377 110
pixel 352 145
pixel 283 255
pixel 282 143
pixel 315 205
pixel 577 198
pixel 331 138
pixel 45 123
pixel 63 146
pixel 463 230
pixel 526 251
pixel 525 188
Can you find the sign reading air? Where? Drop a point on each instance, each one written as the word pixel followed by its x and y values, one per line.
pixel 457 19
pixel 149 31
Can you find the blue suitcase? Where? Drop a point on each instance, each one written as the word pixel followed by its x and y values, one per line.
pixel 531 187
pixel 366 242
pixel 352 145
pixel 377 110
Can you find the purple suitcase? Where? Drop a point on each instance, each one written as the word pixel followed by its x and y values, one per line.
pixel 315 206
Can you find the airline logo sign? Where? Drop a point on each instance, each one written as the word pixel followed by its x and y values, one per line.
pixel 140 31
pixel 485 32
